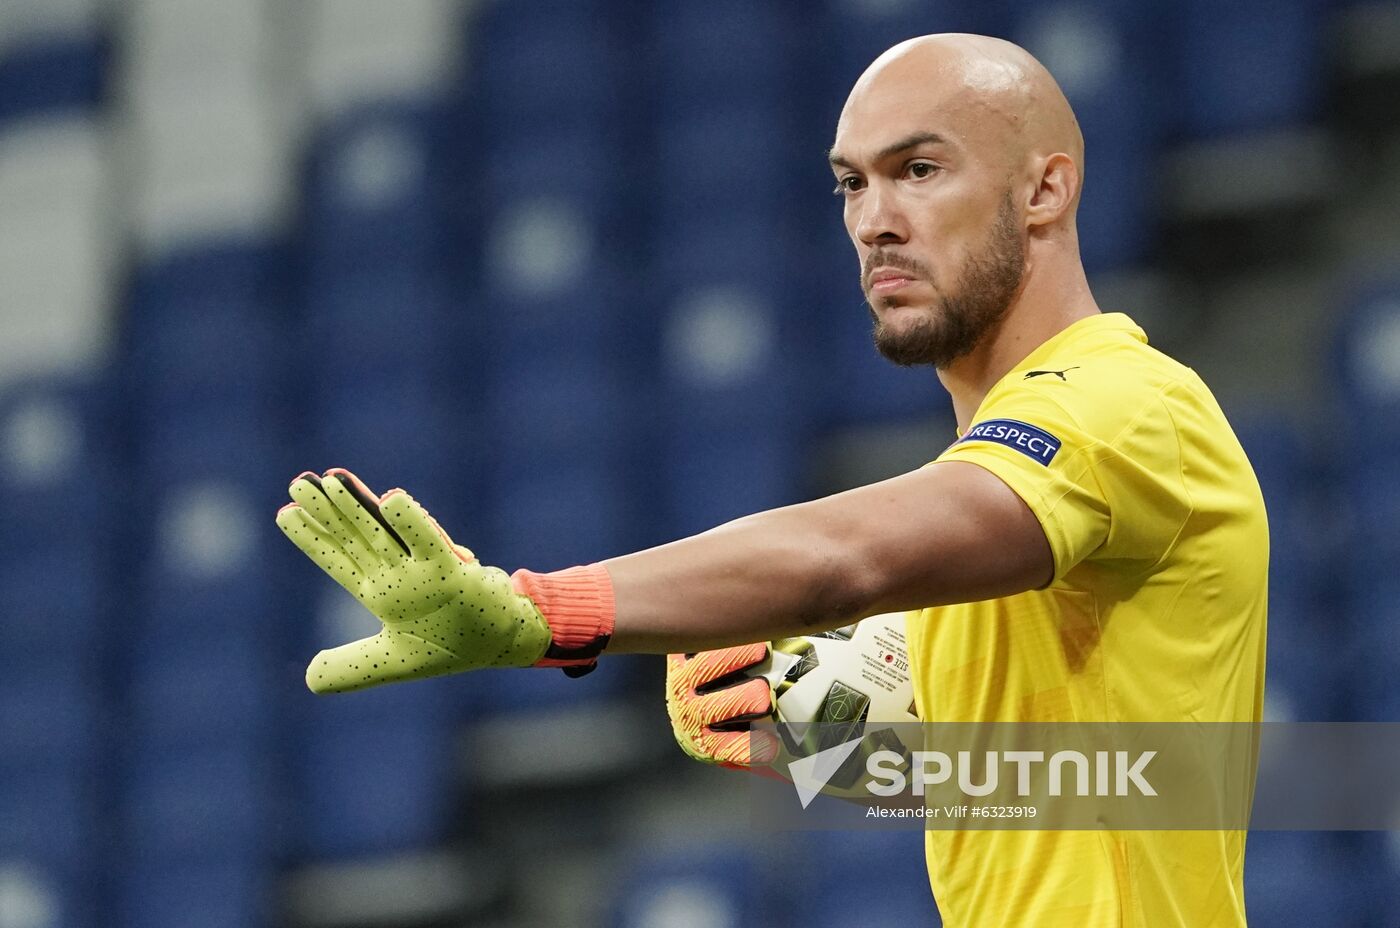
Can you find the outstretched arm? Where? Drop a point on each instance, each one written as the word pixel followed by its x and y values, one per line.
pixel 951 532
pixel 948 533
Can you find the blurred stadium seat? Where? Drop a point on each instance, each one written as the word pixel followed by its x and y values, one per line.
pixel 51 57
pixel 871 878
pixel 57 458
pixel 703 886
pixel 1304 673
pixel 176 894
pixel 372 787
pixel 550 63
pixel 51 598
pixel 1295 878
pixel 1252 66
pixel 206 800
pixel 1368 359
pixel 727 50
pixel 50 75
pixel 1109 67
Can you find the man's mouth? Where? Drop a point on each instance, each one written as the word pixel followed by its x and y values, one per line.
pixel 884 281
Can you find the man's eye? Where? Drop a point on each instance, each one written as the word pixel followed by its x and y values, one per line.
pixel 922 169
pixel 845 185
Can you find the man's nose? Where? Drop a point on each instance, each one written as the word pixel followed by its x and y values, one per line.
pixel 881 222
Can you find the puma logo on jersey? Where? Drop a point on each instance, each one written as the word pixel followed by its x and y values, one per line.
pixel 1059 374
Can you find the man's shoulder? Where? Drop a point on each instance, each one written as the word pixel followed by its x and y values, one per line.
pixel 1100 388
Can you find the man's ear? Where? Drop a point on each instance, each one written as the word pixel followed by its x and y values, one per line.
pixel 1057 191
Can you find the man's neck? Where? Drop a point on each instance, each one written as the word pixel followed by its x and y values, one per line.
pixel 1042 309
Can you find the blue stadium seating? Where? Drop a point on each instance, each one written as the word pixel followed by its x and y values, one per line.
pixel 374 324
pixel 50 811
pixel 236 441
pixel 703 885
pixel 1372 651
pixel 189 282
pixel 51 75
pixel 1369 377
pixel 721 160
pixel 43 897
pixel 228 893
pixel 1304 666
pixel 189 687
pixel 541 412
pixel 203 344
pixel 551 64
pixel 49 708
pixel 729 50
pixel 581 166
pixel 733 358
pixel 749 247
pixel 1373 860
pixel 1369 362
pixel 1254 65
pixel 50 595
pixel 390 432
pixel 551 517
pixel 713 477
pixel 1106 58
pixel 870 878
pixel 200 802
pixel 226 352
pixel 367 787
pixel 369 194
pixel 56 467
pixel 1294 878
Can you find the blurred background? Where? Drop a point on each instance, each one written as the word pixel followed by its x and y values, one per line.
pixel 569 271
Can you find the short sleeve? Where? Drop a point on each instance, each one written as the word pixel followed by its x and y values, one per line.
pixel 1047 458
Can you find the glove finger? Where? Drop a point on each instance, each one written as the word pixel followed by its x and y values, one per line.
pixel 420 531
pixel 707 667
pixel 387 657
pixel 741 749
pixel 358 504
pixel 311 495
pixel 734 706
pixel 319 545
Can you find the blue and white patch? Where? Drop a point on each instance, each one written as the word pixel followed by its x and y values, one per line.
pixel 1036 444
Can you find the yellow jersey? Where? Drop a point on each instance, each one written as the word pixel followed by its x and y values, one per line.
pixel 1156 613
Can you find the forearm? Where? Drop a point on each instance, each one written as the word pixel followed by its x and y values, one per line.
pixel 944 534
pixel 784 572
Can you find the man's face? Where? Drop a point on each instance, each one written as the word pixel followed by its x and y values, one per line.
pixel 928 206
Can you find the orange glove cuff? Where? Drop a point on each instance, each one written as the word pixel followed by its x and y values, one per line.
pixel 578 605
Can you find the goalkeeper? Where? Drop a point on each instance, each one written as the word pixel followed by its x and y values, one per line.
pixel 1093 547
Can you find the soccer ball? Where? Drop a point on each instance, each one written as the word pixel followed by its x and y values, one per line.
pixel 840 685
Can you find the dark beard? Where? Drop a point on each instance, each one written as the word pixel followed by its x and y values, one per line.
pixel 988 282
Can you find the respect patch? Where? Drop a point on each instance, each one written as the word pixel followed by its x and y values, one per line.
pixel 1036 444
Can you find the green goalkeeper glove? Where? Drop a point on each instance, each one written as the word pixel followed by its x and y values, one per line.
pixel 442 611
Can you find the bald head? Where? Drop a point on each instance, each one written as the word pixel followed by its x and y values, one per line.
pixel 992 95
pixel 959 161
